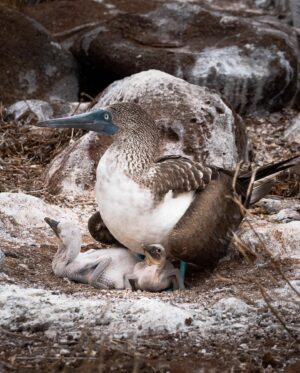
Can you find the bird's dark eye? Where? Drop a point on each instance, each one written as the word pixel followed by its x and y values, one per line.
pixel 106 116
pixel 158 250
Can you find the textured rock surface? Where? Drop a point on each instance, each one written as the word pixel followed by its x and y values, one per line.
pixel 167 38
pixel 292 133
pixel 275 205
pixel 277 232
pixel 122 38
pixel 280 239
pixel 29 112
pixel 74 169
pixel 194 122
pixel 22 218
pixel 33 65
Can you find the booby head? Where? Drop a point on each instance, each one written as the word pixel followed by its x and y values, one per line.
pixel 155 255
pixel 123 117
pixel 68 234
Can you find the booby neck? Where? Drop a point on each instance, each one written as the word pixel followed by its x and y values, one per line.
pixel 134 154
pixel 155 255
pixel 69 242
pixel 137 142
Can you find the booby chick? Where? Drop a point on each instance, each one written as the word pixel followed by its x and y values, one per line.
pixel 155 273
pixel 172 201
pixel 103 269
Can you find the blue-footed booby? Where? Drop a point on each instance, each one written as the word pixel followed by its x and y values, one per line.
pixel 103 269
pixel 155 273
pixel 169 201
pixel 114 268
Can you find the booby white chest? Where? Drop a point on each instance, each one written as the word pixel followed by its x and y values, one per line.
pixel 129 210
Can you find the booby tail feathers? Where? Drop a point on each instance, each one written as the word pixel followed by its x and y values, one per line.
pixel 263 181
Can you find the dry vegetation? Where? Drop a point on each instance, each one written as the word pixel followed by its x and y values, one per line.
pixel 25 154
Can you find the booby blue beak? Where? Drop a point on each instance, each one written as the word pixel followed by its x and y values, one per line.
pixel 97 120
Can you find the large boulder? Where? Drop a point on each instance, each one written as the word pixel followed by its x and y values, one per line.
pixel 193 121
pixel 73 171
pixel 272 240
pixel 117 38
pixel 33 65
pixel 275 231
pixel 255 67
pixel 22 219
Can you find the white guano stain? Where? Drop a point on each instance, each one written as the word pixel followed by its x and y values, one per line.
pixel 238 74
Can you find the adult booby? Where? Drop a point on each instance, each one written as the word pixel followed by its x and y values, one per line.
pixel 171 201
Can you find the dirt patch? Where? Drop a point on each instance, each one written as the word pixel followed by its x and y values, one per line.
pixel 24 154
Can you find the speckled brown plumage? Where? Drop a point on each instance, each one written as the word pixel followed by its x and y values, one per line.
pixel 178 174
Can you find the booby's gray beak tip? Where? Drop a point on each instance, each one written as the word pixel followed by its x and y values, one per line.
pixel 43 123
pixel 52 223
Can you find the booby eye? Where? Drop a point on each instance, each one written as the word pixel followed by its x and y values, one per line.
pixel 106 116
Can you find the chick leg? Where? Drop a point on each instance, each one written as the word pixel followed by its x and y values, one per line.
pixel 82 272
pixel 96 280
pixel 177 280
pixel 129 282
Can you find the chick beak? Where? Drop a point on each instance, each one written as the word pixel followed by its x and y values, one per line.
pixel 53 225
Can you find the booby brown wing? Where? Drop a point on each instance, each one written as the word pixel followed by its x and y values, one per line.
pixel 177 174
pixel 202 235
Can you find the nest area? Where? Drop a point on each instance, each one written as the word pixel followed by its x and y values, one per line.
pixel 25 154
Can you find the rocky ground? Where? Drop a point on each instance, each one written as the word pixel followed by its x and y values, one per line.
pixel 243 315
pixel 246 313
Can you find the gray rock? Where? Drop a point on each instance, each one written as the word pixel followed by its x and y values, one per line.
pixel 34 65
pixel 29 112
pixel 274 205
pixel 232 306
pixel 166 37
pixel 38 110
pixel 292 133
pixel 269 239
pixel 22 219
pixel 287 215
